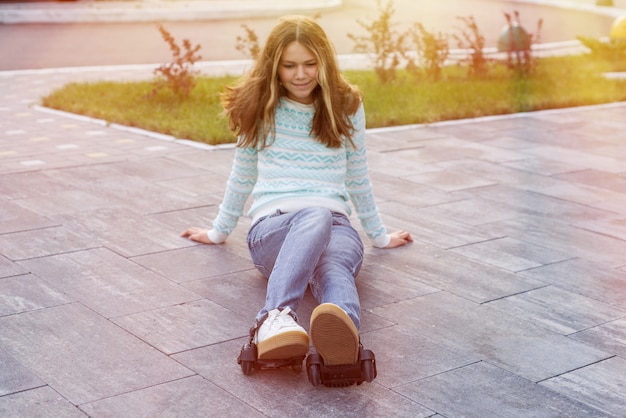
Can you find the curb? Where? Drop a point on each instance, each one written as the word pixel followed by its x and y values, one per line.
pixel 614 11
pixel 237 67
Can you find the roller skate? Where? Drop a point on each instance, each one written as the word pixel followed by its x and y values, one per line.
pixel 275 341
pixel 340 360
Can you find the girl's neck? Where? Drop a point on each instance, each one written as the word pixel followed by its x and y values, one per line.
pixel 298 104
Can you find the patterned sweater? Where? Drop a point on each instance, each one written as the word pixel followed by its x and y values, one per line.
pixel 296 172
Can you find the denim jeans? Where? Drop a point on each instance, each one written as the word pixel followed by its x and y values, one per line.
pixel 311 247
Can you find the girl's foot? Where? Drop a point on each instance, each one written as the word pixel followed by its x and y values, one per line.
pixel 279 337
pixel 334 335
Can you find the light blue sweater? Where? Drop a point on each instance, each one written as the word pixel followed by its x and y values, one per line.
pixel 296 172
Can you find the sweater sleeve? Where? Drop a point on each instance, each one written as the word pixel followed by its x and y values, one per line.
pixel 243 177
pixel 359 186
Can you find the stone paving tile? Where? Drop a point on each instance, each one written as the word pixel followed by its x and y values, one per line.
pixel 83 356
pixel 120 189
pixel 242 293
pixel 544 165
pixel 484 390
pixel 189 397
pixel 205 188
pixel 530 203
pixel 472 211
pixel 609 337
pixel 157 169
pixel 10 268
pixel 571 155
pixel 405 165
pixel 139 195
pixel 123 231
pixel 185 326
pixel 568 191
pixel 381 285
pixel 476 148
pixel 441 232
pixel 401 138
pixel 41 243
pixel 51 161
pixel 412 356
pixel 617 205
pixel 427 156
pixel 454 273
pixel 40 402
pixel 30 184
pixel 176 222
pixel 266 390
pixel 516 345
pixel 14 377
pixel 65 202
pixel 216 161
pixel 558 310
pixel 200 261
pixel 388 188
pixel 27 293
pixel 449 181
pixel 563 237
pixel 107 282
pixel 511 254
pixel 585 278
pixel 597 178
pixel 614 227
pixel 599 385
pixel 86 177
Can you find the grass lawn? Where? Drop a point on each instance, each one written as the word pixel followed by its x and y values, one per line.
pixel 558 82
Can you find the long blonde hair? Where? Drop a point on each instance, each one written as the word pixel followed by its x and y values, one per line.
pixel 251 103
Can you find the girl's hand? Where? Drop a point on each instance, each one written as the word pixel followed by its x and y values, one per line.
pixel 197 234
pixel 399 238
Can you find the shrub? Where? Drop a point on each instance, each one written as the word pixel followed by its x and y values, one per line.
pixel 384 43
pixel 249 43
pixel 432 48
pixel 471 39
pixel 518 46
pixel 177 75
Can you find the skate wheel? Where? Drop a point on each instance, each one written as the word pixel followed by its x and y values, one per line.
pixel 315 377
pixel 247 367
pixel 247 358
pixel 367 371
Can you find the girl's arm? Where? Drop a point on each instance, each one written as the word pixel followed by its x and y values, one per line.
pixel 359 187
pixel 240 183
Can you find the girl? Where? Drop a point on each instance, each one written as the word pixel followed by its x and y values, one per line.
pixel 301 154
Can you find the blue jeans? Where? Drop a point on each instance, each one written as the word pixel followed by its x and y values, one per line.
pixel 312 247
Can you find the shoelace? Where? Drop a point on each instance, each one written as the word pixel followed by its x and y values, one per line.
pixel 280 319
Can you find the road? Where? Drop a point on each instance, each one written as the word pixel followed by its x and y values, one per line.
pixel 34 46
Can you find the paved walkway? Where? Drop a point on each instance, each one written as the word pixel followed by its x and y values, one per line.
pixel 150 10
pixel 510 303
pixel 181 10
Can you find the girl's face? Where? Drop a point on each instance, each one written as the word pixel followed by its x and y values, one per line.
pixel 297 72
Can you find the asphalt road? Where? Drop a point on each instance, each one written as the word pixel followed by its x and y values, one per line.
pixel 34 46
